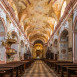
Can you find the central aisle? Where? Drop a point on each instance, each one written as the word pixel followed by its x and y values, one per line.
pixel 39 69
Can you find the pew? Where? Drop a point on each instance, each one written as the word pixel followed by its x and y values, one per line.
pixel 58 66
pixel 4 71
pixel 53 63
pixel 14 66
pixel 17 67
pixel 62 68
pixel 72 72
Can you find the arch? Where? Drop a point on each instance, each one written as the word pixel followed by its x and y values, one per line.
pixel 36 33
pixel 38 41
pixel 41 38
pixel 13 33
pixel 38 36
pixel 76 26
pixel 22 43
pixel 55 42
pixel 4 26
pixel 63 34
pixel 43 31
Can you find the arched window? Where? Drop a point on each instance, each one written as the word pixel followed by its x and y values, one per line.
pixel 22 43
pixel 64 36
pixel 55 43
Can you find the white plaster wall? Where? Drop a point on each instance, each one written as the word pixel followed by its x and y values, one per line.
pixel 2 54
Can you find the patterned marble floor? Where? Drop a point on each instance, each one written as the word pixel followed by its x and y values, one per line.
pixel 39 69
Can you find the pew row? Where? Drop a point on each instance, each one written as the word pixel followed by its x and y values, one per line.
pixel 14 69
pixel 62 68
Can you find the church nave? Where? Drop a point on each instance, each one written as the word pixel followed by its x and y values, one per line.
pixel 38 38
pixel 39 69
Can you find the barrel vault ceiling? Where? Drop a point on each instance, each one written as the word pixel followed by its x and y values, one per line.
pixel 37 17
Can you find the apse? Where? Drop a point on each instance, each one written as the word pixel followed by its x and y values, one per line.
pixel 38 41
pixel 38 49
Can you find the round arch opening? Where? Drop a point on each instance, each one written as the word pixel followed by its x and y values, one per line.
pixel 38 49
pixel 63 53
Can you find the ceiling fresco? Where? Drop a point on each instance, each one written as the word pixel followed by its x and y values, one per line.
pixel 38 17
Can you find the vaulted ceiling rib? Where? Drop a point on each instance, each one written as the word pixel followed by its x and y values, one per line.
pixel 38 17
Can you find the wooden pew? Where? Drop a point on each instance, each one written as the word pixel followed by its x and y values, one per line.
pixel 72 72
pixel 49 62
pixel 16 66
pixel 64 68
pixel 58 66
pixel 27 63
pixel 53 63
pixel 4 71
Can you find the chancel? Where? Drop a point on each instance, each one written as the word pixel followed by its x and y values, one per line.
pixel 38 38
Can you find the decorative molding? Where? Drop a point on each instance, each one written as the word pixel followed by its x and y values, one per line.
pixel 68 12
pixel 12 16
